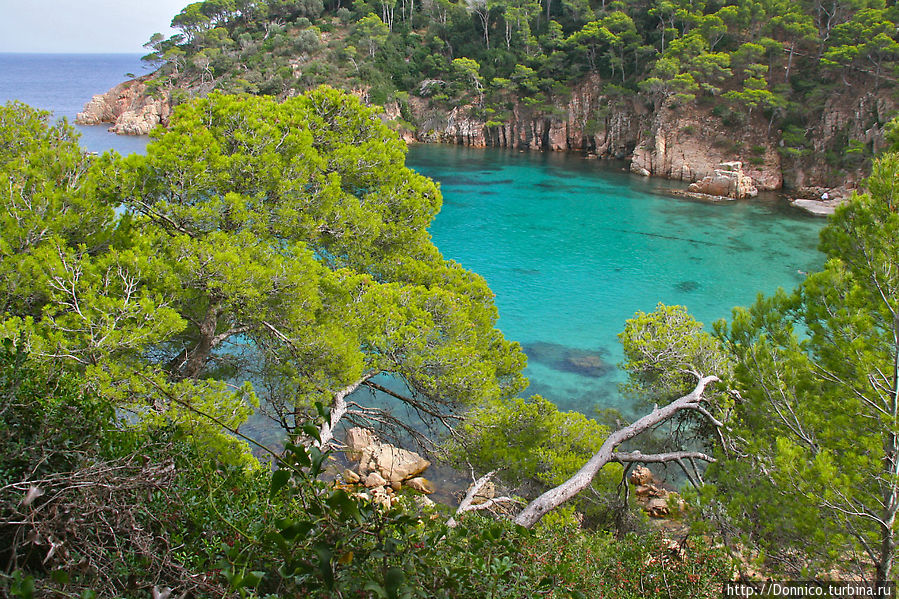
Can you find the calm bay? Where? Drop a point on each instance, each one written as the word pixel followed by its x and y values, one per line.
pixel 572 247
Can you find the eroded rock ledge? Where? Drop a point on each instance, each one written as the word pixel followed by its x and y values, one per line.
pixel 728 181
pixel 128 107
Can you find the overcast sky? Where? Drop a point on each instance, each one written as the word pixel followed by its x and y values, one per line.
pixel 75 26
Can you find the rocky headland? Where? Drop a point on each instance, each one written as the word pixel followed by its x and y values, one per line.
pixel 129 108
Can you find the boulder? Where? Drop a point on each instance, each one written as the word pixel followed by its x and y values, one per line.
pixel 727 181
pixel 657 507
pixel 643 490
pixel 357 441
pixel 816 207
pixel 421 484
pixel 423 502
pixel 641 475
pixel 396 464
pixel 374 480
pixel 379 496
pixel 350 477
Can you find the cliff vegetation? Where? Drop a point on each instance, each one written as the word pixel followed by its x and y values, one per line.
pixel 798 91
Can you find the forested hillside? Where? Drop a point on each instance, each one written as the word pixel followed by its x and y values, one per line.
pixel 274 256
pixel 802 88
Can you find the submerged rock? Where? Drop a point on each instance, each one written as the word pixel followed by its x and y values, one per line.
pixel 568 359
pixel 421 484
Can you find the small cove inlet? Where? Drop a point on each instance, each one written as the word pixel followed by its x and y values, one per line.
pixel 571 247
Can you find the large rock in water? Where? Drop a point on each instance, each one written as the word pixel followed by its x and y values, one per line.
pixel 130 108
pixel 357 441
pixel 728 181
pixel 421 484
pixel 396 464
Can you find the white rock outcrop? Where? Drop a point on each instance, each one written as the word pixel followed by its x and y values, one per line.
pixel 728 181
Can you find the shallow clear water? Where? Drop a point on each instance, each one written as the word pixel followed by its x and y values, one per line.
pixel 571 247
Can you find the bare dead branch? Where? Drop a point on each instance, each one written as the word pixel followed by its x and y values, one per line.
pixel 466 504
pixel 560 494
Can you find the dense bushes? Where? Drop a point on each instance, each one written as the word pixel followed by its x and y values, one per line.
pixel 118 512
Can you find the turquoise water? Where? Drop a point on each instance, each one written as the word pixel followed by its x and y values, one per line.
pixel 571 247
pixel 574 247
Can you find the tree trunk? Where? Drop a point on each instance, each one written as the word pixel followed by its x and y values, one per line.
pixel 339 409
pixel 884 565
pixel 485 21
pixel 790 62
pixel 197 358
pixel 582 478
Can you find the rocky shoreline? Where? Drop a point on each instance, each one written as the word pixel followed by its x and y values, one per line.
pixel 687 143
pixel 380 471
pixel 128 107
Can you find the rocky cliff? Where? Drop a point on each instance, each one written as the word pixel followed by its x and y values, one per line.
pixel 129 107
pixel 686 143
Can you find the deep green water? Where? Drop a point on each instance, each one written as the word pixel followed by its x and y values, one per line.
pixel 573 247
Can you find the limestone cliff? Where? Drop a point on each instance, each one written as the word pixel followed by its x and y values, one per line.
pixel 128 107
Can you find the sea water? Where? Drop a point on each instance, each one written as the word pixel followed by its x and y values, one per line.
pixel 571 247
pixel 64 83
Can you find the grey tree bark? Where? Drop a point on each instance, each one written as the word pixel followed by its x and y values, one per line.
pixel 557 496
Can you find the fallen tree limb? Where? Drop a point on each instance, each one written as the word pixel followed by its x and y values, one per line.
pixel 466 504
pixel 556 496
pixel 658 458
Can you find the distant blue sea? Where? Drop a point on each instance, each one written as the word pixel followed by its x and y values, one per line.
pixel 571 247
pixel 64 83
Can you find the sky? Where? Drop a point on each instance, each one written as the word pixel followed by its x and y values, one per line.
pixel 84 26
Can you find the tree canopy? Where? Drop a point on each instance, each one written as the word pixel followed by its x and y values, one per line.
pixel 813 474
pixel 263 250
pixel 736 58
